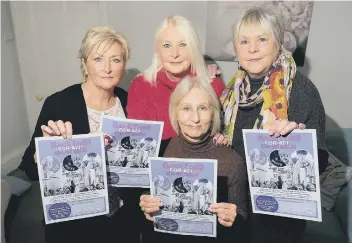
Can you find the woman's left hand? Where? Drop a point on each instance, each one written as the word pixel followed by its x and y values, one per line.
pixel 284 127
pixel 220 139
pixel 226 213
pixel 213 70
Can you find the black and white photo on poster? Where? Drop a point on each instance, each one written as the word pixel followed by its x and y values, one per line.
pixel 183 195
pixel 130 152
pixel 76 174
pixel 281 170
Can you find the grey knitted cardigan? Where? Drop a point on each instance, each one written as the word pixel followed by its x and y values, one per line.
pixel 305 106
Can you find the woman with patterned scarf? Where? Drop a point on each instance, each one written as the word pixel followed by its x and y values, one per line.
pixel 268 93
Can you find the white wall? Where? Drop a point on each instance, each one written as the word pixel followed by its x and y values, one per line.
pixel 328 58
pixel 48 37
pixel 14 120
pixel 49 34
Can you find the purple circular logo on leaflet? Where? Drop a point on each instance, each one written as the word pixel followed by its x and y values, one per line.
pixel 267 203
pixel 166 224
pixel 113 178
pixel 59 211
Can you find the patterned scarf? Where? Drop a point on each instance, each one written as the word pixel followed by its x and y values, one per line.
pixel 275 92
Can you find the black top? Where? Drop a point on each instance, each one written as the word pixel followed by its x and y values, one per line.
pixel 66 105
pixel 305 107
pixel 256 83
pixel 69 105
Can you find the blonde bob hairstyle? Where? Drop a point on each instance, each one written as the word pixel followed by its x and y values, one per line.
pixel 97 35
pixel 182 89
pixel 185 27
pixel 269 19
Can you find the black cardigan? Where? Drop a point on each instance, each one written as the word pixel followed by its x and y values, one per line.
pixel 66 105
pixel 69 105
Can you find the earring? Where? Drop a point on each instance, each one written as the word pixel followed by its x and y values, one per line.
pixel 239 66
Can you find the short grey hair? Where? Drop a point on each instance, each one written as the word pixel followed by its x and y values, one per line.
pixel 268 18
pixel 182 89
pixel 94 37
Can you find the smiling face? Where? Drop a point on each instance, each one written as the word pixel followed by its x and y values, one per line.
pixel 256 49
pixel 76 161
pixel 284 157
pixel 173 52
pixel 195 115
pixel 254 155
pixel 131 156
pixel 105 65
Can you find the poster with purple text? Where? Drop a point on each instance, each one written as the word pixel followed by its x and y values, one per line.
pixel 283 173
pixel 72 176
pixel 130 143
pixel 186 187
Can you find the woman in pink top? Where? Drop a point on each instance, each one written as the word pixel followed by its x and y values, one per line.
pixel 177 54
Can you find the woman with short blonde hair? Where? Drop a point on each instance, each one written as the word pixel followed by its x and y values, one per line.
pixel 77 110
pixel 97 35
